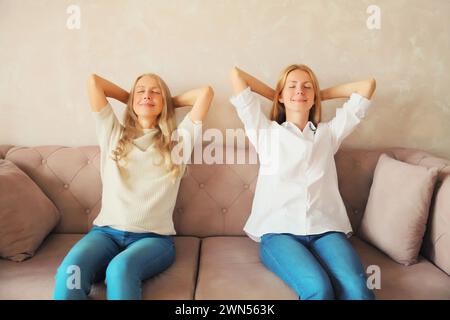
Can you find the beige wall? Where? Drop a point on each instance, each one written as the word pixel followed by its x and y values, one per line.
pixel 44 65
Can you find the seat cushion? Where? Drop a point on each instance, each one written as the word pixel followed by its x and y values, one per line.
pixel 34 278
pixel 230 268
pixel 422 280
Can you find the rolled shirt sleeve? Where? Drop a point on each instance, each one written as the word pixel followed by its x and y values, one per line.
pixel 347 118
pixel 248 108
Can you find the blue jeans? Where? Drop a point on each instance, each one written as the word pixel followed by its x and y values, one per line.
pixel 125 259
pixel 323 266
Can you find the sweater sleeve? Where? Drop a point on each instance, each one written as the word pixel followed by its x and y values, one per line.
pixel 107 126
pixel 187 134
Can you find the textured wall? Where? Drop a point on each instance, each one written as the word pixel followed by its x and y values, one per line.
pixel 44 65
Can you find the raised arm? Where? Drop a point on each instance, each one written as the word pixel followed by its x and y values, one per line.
pixel 366 88
pixel 241 80
pixel 99 89
pixel 200 100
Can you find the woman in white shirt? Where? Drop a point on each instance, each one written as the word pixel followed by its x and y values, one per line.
pixel 141 169
pixel 298 215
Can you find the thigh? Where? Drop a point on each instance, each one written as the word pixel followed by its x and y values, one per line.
pixel 339 259
pixel 91 254
pixel 145 258
pixel 292 262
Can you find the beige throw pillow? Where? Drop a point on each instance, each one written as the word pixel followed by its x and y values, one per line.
pixel 26 214
pixel 397 210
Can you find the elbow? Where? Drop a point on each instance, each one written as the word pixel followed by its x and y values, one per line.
pixel 369 88
pixel 92 80
pixel 208 92
pixel 372 84
pixel 234 73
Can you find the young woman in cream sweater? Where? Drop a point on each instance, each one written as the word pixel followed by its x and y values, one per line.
pixel 298 215
pixel 131 239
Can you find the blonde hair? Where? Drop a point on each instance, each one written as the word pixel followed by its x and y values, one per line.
pixel 278 112
pixel 165 123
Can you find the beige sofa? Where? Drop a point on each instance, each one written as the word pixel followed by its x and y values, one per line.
pixel 214 258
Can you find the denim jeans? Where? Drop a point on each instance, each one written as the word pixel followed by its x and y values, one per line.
pixel 323 266
pixel 125 259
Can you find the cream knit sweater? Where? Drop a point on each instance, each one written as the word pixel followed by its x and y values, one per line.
pixel 142 197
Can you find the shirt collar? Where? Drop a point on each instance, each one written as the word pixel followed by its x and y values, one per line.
pixel 308 131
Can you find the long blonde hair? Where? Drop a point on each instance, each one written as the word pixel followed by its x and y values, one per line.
pixel 165 125
pixel 278 112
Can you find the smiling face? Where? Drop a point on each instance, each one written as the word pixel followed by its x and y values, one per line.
pixel 148 101
pixel 298 92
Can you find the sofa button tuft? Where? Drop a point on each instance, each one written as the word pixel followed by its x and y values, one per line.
pixel 87 211
pixel 201 185
pixel 224 210
pixel 44 161
pixel 246 186
pixel 66 186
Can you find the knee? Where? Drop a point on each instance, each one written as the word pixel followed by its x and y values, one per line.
pixel 355 288
pixel 317 289
pixel 67 270
pixel 69 283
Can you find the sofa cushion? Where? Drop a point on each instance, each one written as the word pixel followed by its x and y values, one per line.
pixel 421 281
pixel 35 278
pixel 26 214
pixel 397 210
pixel 437 239
pixel 230 269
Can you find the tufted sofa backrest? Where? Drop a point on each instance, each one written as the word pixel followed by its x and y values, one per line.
pixel 216 199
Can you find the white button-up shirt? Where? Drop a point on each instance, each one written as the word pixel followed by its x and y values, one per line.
pixel 297 188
